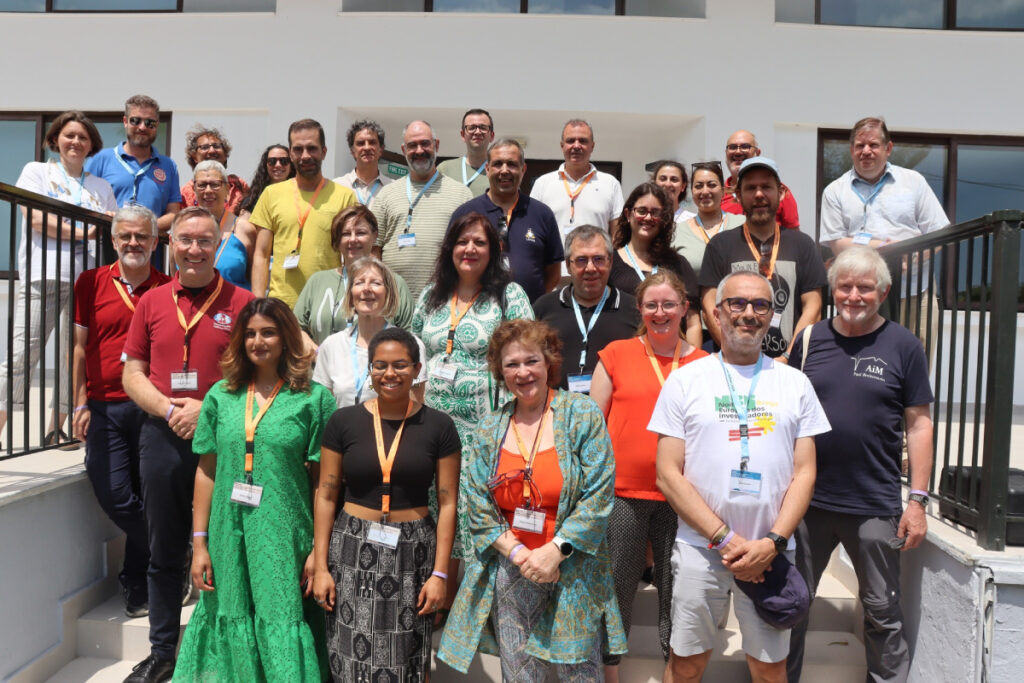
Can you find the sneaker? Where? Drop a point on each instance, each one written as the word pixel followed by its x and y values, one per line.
pixel 152 669
pixel 136 599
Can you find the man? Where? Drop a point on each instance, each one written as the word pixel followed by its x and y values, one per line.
pixel 104 417
pixel 477 132
pixel 293 219
pixel 577 192
pixel 736 462
pixel 413 214
pixel 872 377
pixel 876 203
pixel 788 258
pixel 203 143
pixel 587 313
pixel 366 144
pixel 742 145
pixel 529 233
pixel 172 351
pixel 137 172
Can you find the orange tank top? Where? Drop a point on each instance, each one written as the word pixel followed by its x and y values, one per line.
pixel 547 481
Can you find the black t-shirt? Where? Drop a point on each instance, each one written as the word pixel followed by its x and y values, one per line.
pixel 625 278
pixel 864 384
pixel 619 320
pixel 428 436
pixel 798 270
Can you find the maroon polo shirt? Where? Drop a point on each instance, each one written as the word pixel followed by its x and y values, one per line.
pixel 157 337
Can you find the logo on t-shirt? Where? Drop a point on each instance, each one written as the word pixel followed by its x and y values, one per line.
pixel 760 419
pixel 222 321
pixel 871 367
pixel 530 237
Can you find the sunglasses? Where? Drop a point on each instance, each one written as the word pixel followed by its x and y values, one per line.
pixel 138 120
pixel 278 161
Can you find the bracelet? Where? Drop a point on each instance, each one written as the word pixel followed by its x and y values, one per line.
pixel 724 542
pixel 200 533
pixel 440 575
pixel 80 408
pixel 785 354
pixel 512 554
pixel 917 491
pixel 167 417
pixel 719 535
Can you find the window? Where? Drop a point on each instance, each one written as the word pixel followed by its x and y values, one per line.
pixel 1001 15
pixel 639 8
pixel 138 5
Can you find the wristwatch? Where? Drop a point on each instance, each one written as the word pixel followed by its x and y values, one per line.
pixel 919 498
pixel 780 541
pixel 563 546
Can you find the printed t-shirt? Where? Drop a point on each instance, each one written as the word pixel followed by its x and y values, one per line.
pixel 547 482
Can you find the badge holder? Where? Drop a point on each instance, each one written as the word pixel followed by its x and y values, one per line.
pixel 407 239
pixel 580 383
pixel 291 261
pixel 380 533
pixel 528 519
pixel 186 380
pixel 445 371
pixel 247 493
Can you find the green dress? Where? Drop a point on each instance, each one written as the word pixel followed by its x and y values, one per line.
pixel 255 625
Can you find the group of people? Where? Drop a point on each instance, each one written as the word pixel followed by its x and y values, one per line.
pixel 564 390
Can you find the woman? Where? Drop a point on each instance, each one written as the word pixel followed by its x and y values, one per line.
pixel 539 487
pixel 319 306
pixel 237 238
pixel 252 518
pixel 342 363
pixel 275 165
pixel 626 384
pixel 671 177
pixel 692 235
pixel 644 246
pixel 381 565
pixel 74 138
pixel 202 143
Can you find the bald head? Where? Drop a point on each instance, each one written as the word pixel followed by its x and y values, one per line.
pixel 741 145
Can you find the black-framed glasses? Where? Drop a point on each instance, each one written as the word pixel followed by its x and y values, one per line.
pixel 741 146
pixel 477 128
pixel 278 161
pixel 737 304
pixel 644 212
pixel 210 185
pixel 138 120
pixel 667 306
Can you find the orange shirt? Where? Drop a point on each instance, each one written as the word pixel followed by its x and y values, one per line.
pixel 635 390
pixel 547 480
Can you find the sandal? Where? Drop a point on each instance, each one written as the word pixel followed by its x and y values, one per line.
pixel 61 440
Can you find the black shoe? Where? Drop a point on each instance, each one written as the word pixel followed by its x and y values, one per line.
pixel 136 599
pixel 648 576
pixel 152 669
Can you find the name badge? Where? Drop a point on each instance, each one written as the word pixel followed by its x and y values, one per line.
pixel 247 494
pixel 384 535
pixel 407 239
pixel 185 381
pixel 444 372
pixel 862 238
pixel 526 519
pixel 580 383
pixel 777 320
pixel 291 261
pixel 745 481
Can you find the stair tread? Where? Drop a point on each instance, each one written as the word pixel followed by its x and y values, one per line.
pixel 93 670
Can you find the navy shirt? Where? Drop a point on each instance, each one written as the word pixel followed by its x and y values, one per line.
pixel 864 384
pixel 534 239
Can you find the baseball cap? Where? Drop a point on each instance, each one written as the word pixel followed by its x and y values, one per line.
pixel 758 162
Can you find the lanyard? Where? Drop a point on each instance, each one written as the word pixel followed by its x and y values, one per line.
pixel 374 187
pixel 251 422
pixel 703 231
pixel 757 254
pixel 573 195
pixel 224 240
pixel 120 290
pixel 741 410
pixel 339 292
pixel 456 318
pixel 875 189
pixel 654 361
pixel 136 174
pixel 530 455
pixel 303 215
pixel 508 216
pixel 632 262
pixel 357 379
pixel 585 331
pixel 75 192
pixel 388 461
pixel 414 202
pixel 465 163
pixel 195 319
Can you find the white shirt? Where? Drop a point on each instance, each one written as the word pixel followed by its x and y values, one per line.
pixel 362 190
pixel 334 368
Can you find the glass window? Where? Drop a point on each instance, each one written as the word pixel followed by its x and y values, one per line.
pixel 693 9
pixel 1001 14
pixel 495 6
pixel 903 14
pixel 17 148
pixel 125 5
pixel 382 5
pixel 572 7
pixel 22 5
pixel 988 178
pixel 928 159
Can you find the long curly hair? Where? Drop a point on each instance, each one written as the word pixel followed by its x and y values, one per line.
pixel 661 249
pixel 260 179
pixel 445 279
pixel 295 365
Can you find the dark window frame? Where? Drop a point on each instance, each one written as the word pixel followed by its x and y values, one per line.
pixel 524 7
pixel 948 21
pixel 49 8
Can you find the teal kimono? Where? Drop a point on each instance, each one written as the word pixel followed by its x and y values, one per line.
pixel 584 601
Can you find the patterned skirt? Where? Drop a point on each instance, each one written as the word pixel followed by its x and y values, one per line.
pixel 374 633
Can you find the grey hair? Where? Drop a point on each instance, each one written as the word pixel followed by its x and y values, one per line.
pixel 585 233
pixel 578 122
pixel 860 260
pixel 211 165
pixel 134 213
pixel 390 286
pixel 507 142
pixel 743 273
pixel 191 212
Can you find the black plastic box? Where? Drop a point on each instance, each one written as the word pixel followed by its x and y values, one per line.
pixel 966 474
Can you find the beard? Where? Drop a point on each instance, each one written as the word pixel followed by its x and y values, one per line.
pixel 421 164
pixel 142 139
pixel 134 259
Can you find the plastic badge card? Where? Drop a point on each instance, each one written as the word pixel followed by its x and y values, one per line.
pixel 526 519
pixel 247 494
pixel 745 481
pixel 384 535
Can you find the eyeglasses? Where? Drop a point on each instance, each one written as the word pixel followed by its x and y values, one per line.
pixel 379 367
pixel 210 185
pixel 738 304
pixel 210 145
pixel 516 482
pixel 138 120
pixel 667 306
pixel 477 128
pixel 503 234
pixel 743 146
pixel 202 242
pixel 278 161
pixel 644 212
pixel 582 261
pixel 128 237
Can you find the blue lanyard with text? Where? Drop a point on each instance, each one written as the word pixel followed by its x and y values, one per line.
pixel 632 262
pixel 366 200
pixel 874 193
pixel 741 410
pixel 137 174
pixel 465 163
pixel 414 202
pixel 585 331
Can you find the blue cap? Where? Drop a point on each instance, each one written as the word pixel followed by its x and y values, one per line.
pixel 758 162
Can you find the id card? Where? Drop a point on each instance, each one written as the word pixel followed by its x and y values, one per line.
pixel 407 239
pixel 526 519
pixel 185 381
pixel 862 238
pixel 384 535
pixel 745 481
pixel 291 261
pixel 580 383
pixel 445 372
pixel 777 320
pixel 247 494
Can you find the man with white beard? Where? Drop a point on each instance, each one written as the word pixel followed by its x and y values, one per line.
pixel 413 214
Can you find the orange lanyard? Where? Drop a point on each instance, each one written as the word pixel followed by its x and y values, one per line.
pixel 530 455
pixel 573 195
pixel 508 216
pixel 654 361
pixel 195 319
pixel 251 422
pixel 120 290
pixel 456 318
pixel 757 254
pixel 303 215
pixel 388 461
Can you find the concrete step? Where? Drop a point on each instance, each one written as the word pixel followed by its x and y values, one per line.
pixel 93 670
pixel 106 633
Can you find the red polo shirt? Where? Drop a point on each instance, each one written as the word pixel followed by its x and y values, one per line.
pixel 100 309
pixel 787 215
pixel 157 337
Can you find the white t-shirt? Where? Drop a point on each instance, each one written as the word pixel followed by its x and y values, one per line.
pixel 695 405
pixel 336 371
pixel 48 179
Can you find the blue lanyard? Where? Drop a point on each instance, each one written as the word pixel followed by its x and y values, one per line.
pixel 876 188
pixel 465 163
pixel 366 200
pixel 741 409
pixel 414 202
pixel 137 174
pixel 357 379
pixel 632 262
pixel 585 331
pixel 75 192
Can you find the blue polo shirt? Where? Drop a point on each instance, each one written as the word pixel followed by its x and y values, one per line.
pixel 534 238
pixel 155 188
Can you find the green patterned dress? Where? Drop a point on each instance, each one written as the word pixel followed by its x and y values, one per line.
pixel 255 625
pixel 468 399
